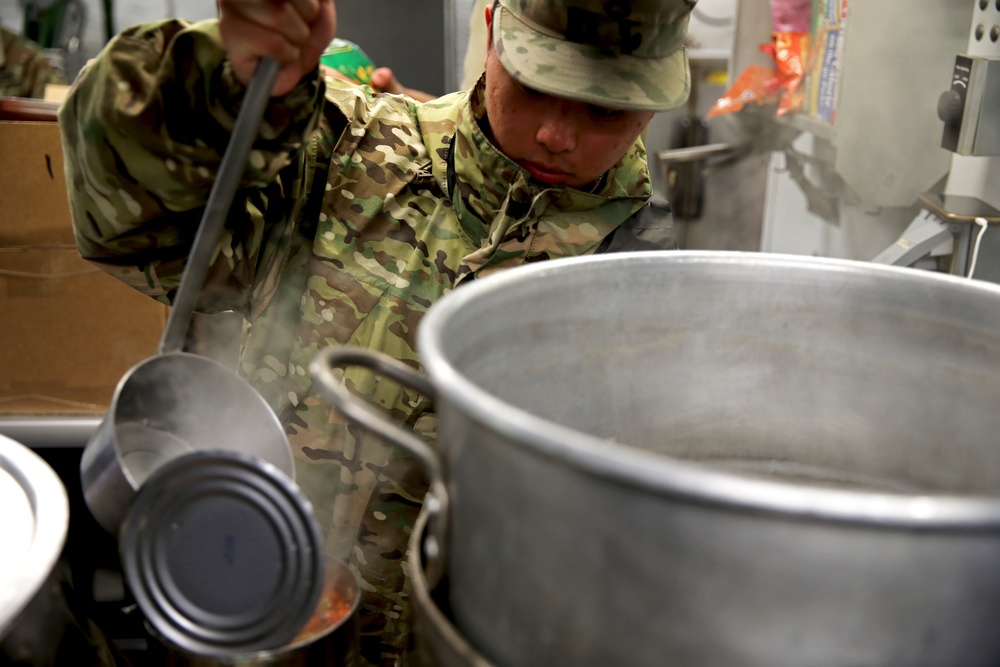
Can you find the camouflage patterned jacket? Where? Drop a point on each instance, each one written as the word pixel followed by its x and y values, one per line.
pixel 24 69
pixel 358 212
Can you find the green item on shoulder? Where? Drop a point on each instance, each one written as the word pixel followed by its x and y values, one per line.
pixel 347 58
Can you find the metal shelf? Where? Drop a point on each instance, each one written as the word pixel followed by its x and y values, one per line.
pixel 820 128
pixel 39 432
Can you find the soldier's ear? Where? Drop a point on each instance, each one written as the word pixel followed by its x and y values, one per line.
pixel 488 12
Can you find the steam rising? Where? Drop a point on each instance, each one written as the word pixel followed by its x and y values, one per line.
pixel 178 403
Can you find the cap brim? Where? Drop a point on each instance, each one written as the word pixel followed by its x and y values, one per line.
pixel 581 72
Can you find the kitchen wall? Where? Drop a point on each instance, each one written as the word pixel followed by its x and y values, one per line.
pixel 411 37
pixel 405 35
pixel 731 218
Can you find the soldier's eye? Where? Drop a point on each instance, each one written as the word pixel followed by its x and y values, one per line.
pixel 604 113
pixel 531 92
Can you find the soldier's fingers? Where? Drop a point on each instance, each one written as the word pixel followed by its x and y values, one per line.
pixel 324 27
pixel 246 38
pixel 307 9
pixel 248 34
pixel 384 81
pixel 280 18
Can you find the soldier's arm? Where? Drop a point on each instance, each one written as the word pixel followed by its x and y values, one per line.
pixel 144 130
pixel 25 71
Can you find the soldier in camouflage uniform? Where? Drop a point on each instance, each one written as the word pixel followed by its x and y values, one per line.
pixel 24 69
pixel 358 211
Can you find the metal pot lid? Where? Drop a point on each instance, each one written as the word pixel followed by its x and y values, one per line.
pixel 33 521
pixel 222 554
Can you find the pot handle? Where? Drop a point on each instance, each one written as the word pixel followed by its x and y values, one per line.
pixel 363 413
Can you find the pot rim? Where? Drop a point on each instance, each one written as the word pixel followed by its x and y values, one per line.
pixel 661 475
pixel 50 506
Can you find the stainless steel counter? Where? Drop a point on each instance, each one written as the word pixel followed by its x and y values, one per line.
pixel 40 432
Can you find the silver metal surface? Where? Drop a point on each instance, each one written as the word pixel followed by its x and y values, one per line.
pixel 222 554
pixel 924 234
pixel 721 459
pixel 39 432
pixel 167 406
pixel 438 643
pixel 34 520
pixel 696 152
pixel 456 14
pixel 332 644
pixel 977 132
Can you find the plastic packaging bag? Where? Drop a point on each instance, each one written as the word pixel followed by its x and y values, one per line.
pixel 756 86
pixel 789 50
pixel 784 83
pixel 791 15
pixel 349 60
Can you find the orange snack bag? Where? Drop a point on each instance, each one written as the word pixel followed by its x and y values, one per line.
pixel 756 86
pixel 789 50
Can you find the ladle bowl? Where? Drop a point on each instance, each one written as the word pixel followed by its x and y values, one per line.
pixel 167 406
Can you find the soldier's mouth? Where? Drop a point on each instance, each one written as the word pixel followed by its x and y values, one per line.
pixel 546 173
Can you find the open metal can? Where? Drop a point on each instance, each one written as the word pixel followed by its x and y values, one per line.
pixel 224 557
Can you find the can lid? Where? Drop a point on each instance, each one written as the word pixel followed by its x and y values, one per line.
pixel 222 554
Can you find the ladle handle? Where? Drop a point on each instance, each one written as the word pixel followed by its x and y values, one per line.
pixel 363 413
pixel 220 199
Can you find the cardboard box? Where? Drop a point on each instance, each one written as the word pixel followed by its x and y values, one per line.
pixel 70 331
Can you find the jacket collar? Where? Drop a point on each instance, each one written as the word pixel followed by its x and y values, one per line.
pixel 497 204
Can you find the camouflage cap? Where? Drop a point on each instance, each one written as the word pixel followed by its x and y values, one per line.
pixel 621 54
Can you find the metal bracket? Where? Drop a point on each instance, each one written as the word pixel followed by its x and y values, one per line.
pixel 926 232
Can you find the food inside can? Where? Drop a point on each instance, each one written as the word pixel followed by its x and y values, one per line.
pixel 331 609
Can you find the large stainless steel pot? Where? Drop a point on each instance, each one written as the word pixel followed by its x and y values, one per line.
pixel 704 458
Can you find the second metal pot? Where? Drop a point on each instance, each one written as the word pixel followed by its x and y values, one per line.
pixel 437 642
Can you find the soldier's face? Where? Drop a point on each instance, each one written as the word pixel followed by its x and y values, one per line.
pixel 558 141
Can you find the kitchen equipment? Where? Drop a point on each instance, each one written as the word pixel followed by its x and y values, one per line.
pixel 34 522
pixel 38 624
pixel 438 643
pixel 712 458
pixel 178 402
pixel 333 641
pixel 222 554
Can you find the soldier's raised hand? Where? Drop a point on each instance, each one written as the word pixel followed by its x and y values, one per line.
pixel 293 32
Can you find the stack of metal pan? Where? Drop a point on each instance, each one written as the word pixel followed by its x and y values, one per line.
pixel 34 519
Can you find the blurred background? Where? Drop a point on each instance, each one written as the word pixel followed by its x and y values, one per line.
pixel 800 183
pixel 425 44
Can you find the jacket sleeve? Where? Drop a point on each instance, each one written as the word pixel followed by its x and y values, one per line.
pixel 24 69
pixel 144 129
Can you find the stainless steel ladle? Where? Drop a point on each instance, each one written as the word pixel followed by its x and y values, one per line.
pixel 177 402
